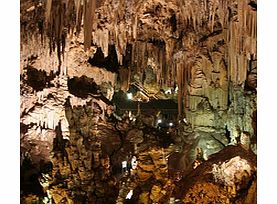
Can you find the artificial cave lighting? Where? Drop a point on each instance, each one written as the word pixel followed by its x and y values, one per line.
pixel 129 96
pixel 138 101
pixel 185 120
pixel 129 195
pixel 168 91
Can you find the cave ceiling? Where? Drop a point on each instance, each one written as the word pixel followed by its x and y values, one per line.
pixel 155 34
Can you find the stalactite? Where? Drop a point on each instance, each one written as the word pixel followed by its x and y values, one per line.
pixel 134 54
pixel 79 14
pixel 106 42
pixel 101 39
pixel 184 85
pixel 221 13
pixel 193 16
pixel 48 12
pixel 245 62
pixel 188 71
pixel 169 50
pixel 89 10
pixel 172 74
pixel 124 38
pixel 180 89
pixel 120 10
pixel 124 75
pixel 238 70
pixel 239 33
pixel 143 50
pixel 212 9
pixel 160 60
pixel 138 55
pixel 237 37
pixel 240 41
pixel 135 24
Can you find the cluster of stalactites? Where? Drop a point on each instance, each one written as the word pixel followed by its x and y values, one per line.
pixel 241 37
pixel 116 22
pixel 146 54
pixel 203 12
pixel 238 21
pixel 182 67
pixel 58 23
pixel 63 17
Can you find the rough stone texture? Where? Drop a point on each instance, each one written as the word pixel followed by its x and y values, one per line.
pixel 199 53
pixel 41 111
pixel 214 104
pixel 83 161
pixel 150 180
pixel 229 176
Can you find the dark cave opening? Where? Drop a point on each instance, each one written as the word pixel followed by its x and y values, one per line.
pixel 29 178
pixel 157 42
pixel 251 80
pixel 227 134
pixel 254 125
pixel 82 86
pixel 253 4
pixel 173 22
pixel 38 79
pixel 110 62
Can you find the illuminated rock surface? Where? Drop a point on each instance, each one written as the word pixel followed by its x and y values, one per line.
pixel 191 65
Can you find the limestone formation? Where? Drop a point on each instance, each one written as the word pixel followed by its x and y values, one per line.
pixel 190 69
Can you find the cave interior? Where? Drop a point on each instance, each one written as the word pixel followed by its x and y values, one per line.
pixel 135 101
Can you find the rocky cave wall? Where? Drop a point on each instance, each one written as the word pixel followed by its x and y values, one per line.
pixel 76 54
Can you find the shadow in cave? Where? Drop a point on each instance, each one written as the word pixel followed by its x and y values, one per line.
pixel 111 61
pixel 84 86
pixel 39 79
pixel 29 175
